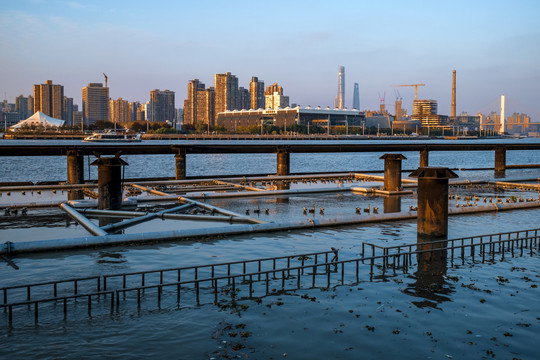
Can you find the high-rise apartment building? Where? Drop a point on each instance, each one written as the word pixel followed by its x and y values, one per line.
pixel 244 99
pixel 95 99
pixel 274 88
pixel 226 92
pixel 22 106
pixel 199 107
pixel 340 98
pixel 119 111
pixel 49 99
pixel 256 91
pixel 68 111
pixel 133 106
pixel 162 106
pixel 276 101
pixel 356 97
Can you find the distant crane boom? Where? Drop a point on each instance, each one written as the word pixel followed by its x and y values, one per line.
pixel 415 89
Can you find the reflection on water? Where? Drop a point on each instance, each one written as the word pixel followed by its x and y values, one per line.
pixel 392 204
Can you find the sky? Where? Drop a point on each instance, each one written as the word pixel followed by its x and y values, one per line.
pixel 493 45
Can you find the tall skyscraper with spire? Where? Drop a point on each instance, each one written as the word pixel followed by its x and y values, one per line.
pixel 356 98
pixel 340 98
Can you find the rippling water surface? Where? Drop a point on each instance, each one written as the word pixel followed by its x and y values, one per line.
pixel 482 311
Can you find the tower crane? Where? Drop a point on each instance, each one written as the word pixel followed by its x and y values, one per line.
pixel 415 88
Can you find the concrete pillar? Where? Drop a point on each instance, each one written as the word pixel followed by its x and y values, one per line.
pixel 432 202
pixel 75 173
pixel 424 158
pixel 392 171
pixel 109 182
pixel 283 162
pixel 500 160
pixel 180 160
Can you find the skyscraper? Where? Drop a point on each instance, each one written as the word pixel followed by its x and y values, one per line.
pixel 340 98
pixel 162 106
pixel 226 92
pixel 49 99
pixel 199 107
pixel 68 110
pixel 94 103
pixel 22 107
pixel 256 90
pixel 356 97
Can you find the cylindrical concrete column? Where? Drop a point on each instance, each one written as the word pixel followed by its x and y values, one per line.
pixel 432 202
pixel 180 160
pixel 500 160
pixel 109 182
pixel 424 158
pixel 283 162
pixel 75 173
pixel 392 171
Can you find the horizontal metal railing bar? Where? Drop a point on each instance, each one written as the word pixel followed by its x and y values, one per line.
pixel 218 264
pixel 457 239
pixel 58 298
pixel 52 282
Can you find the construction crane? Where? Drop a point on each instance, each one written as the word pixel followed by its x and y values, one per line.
pixel 415 89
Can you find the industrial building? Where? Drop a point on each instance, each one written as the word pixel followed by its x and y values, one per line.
pixel 284 117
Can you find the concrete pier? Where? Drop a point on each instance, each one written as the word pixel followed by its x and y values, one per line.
pixel 75 173
pixel 392 204
pixel 109 182
pixel 500 160
pixel 180 160
pixel 283 162
pixel 392 171
pixel 424 158
pixel 432 202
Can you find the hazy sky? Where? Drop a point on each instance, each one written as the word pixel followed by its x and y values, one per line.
pixel 143 45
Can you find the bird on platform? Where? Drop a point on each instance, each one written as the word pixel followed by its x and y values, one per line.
pixel 267 211
pixel 321 211
pixel 24 211
pixel 23 192
pixel 375 210
pixel 38 192
pixel 312 210
pixel 7 212
pixel 305 211
pixel 54 191
pixel 257 210
pixel 368 209
pixel 358 210
pixel 247 211
pixel 8 193
pixel 14 211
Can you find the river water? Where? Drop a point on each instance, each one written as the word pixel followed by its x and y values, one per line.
pixel 481 311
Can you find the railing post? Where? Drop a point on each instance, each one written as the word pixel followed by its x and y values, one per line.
pixel 180 160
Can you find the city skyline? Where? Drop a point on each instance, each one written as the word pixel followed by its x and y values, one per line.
pixel 142 56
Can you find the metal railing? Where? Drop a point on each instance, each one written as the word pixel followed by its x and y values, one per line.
pixel 266 276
